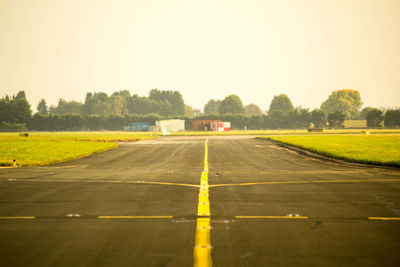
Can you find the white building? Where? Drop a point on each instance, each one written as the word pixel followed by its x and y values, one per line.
pixel 166 126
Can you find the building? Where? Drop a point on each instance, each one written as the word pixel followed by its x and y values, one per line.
pixel 137 127
pixel 169 126
pixel 204 125
pixel 211 125
pixel 221 126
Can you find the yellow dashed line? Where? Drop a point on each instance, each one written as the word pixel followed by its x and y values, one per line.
pixel 17 218
pixel 135 217
pixel 385 218
pixel 102 181
pixel 308 182
pixel 202 248
pixel 271 217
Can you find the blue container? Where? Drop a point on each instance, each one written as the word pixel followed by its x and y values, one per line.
pixel 139 127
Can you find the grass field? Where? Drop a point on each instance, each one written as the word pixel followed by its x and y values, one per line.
pixel 44 148
pixel 286 132
pixel 382 149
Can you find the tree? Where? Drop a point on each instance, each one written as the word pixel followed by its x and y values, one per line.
pixel 188 111
pixel 15 109
pixel 276 120
pixel 392 118
pixel 374 118
pixel 20 95
pixel 281 103
pixel 42 107
pixel 66 107
pixel 336 119
pixel 212 107
pixel 318 118
pixel 231 104
pixel 169 98
pixel 303 118
pixel 364 112
pixel 346 100
pixel 97 103
pixel 253 109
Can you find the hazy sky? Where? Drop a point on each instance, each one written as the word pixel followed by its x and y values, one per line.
pixel 205 49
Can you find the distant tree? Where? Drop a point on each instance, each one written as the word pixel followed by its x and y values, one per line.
pixel 255 122
pixel 212 107
pixel 123 93
pixel 303 118
pixel 171 99
pixel 231 104
pixel 42 107
pixel 97 103
pixel 276 120
pixel 20 95
pixel 364 112
pixel 298 118
pixel 336 119
pixel 253 109
pixel 281 103
pixel 188 111
pixel 346 100
pixel 374 118
pixel 66 107
pixel 119 102
pixel 318 118
pixel 21 108
pixel 392 118
pixel 15 110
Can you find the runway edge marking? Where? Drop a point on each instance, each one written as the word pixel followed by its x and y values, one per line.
pixel 202 248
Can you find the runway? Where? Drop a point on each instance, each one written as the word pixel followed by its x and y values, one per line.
pixel 139 205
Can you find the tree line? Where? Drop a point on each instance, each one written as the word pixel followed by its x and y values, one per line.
pixel 164 103
pixel 111 112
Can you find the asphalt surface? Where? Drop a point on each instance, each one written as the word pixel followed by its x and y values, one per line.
pixel 66 214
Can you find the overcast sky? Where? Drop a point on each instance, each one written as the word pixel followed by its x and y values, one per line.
pixel 205 49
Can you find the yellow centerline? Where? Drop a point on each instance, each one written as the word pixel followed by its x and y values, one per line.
pixel 271 217
pixel 17 217
pixel 102 181
pixel 308 182
pixel 202 248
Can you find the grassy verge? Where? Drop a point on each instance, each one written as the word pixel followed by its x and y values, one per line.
pixel 286 132
pixel 369 149
pixel 46 148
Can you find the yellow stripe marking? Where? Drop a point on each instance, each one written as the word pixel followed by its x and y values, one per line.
pixel 17 217
pixel 103 181
pixel 271 217
pixel 206 157
pixel 202 248
pixel 135 217
pixel 308 182
pixel 385 218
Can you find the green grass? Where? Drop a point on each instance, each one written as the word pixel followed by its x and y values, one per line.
pixel 381 149
pixel 285 132
pixel 44 148
pixel 355 123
